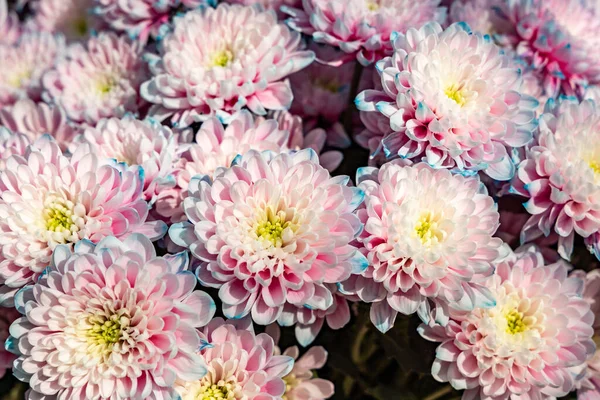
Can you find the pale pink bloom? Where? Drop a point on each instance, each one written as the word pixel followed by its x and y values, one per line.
pixel 481 15
pixel 561 175
pixel 559 39
pixel 429 240
pixel 240 364
pixel 24 64
pixel 308 321
pixel 362 27
pixel 99 81
pixel 37 119
pixel 269 4
pixel 10 27
pixel 241 61
pixel 216 146
pixel 301 384
pixel 133 142
pixel 533 344
pixel 589 388
pixel 7 317
pixel 452 99
pixel 11 143
pixel 47 199
pixel 271 231
pixel 122 326
pixel 72 18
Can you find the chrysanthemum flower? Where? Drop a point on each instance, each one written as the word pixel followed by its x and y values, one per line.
pixel 24 64
pixel 428 237
pixel 308 321
pixel 301 383
pixel 7 317
pixel 362 27
pixel 72 18
pixel 272 230
pixel 11 143
pixel 122 326
pixel 241 61
pixel 133 142
pixel 269 4
pixel 453 101
pixel 47 199
pixel 533 344
pixel 37 119
pixel 481 15
pixel 241 365
pixel 559 38
pixel 560 175
pixel 101 81
pixel 10 27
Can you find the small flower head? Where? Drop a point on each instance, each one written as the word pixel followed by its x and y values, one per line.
pixel 452 99
pixel 242 62
pixel 428 237
pixel 11 143
pixel 72 18
pixel 47 199
pixel 272 230
pixel 123 323
pixel 100 81
pixel 534 342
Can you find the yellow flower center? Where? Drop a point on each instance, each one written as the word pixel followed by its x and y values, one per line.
pixel 595 166
pixel 18 79
pixel 290 383
pixel 215 392
pixel 222 58
pixel 57 216
pixel 454 93
pixel 428 230
pixel 514 322
pixel 105 332
pixel 271 227
pixel 372 6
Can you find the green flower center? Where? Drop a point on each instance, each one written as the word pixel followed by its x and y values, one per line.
pixel 80 27
pixel 514 322
pixel 330 86
pixel 454 93
pixel 213 392
pixel 58 217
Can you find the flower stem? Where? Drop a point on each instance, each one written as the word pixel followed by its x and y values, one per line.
pixel 440 393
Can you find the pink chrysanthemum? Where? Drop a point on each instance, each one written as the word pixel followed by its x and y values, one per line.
pixel 559 39
pixel 37 119
pixel 453 101
pixel 11 143
pixel 101 81
pixel 133 142
pixel 122 324
pixel 589 389
pixel 560 175
pixel 215 147
pixel 72 18
pixel 301 383
pixel 532 345
pixel 241 62
pixel 308 321
pixel 241 365
pixel 7 317
pixel 272 230
pixel 428 236
pixel 24 64
pixel 10 27
pixel 362 27
pixel 269 4
pixel 47 199
pixel 481 15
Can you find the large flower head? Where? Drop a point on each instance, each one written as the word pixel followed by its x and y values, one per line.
pixel 533 344
pixel 215 147
pixel 37 119
pixel 7 317
pixel 72 18
pixel 24 63
pixel 301 382
pixel 561 175
pixel 428 236
pixel 47 199
pixel 100 81
pixel 217 61
pixel 272 230
pixel 10 27
pixel 453 101
pixel 362 27
pixel 240 364
pixel 133 142
pixel 122 326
